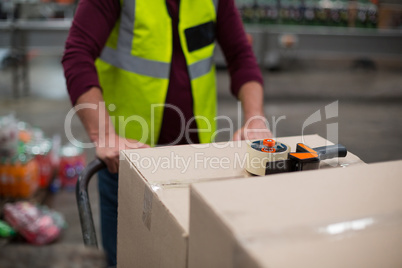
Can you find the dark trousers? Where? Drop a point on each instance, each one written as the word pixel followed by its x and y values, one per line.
pixel 108 185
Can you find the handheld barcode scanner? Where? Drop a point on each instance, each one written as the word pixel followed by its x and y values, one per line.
pixel 270 157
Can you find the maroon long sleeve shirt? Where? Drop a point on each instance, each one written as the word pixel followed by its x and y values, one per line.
pixel 92 25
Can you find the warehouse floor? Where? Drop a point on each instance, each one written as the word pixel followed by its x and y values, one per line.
pixel 369 111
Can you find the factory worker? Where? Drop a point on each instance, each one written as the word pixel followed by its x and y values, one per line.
pixel 140 73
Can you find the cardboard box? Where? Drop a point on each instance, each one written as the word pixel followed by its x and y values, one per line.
pixel 153 212
pixel 347 217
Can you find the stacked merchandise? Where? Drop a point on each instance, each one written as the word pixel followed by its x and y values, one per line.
pixel 269 11
pixel 331 13
pixel 338 13
pixel 39 225
pixel 258 11
pixel 364 14
pixel 29 160
pixel 19 170
pixel 291 12
pixel 247 9
pixel 327 13
pixel 72 163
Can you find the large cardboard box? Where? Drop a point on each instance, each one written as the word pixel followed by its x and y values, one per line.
pixel 347 217
pixel 153 211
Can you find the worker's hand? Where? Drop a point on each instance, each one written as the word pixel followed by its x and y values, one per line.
pixel 107 149
pixel 254 128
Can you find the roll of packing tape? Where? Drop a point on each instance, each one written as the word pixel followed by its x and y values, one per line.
pixel 260 152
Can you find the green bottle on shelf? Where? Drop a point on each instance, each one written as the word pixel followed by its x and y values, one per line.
pixel 258 16
pixel 246 10
pixel 323 12
pixel 269 13
pixel 372 14
pixel 363 11
pixel 334 13
pixel 296 11
pixel 343 13
pixel 309 12
pixel 284 16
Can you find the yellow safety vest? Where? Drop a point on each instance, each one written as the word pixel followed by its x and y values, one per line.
pixel 134 66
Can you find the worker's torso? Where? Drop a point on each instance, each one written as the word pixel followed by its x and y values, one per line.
pixel 134 66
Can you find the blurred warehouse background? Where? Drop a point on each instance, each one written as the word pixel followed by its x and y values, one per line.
pixel 312 53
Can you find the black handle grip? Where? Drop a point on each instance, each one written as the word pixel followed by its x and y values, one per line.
pixel 84 207
pixel 331 151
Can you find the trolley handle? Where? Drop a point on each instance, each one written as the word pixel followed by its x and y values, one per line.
pixel 84 206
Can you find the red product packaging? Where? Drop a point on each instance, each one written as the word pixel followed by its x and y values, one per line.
pixel 72 163
pixel 40 149
pixel 36 226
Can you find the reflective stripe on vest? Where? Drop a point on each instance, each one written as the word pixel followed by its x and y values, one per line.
pixel 151 68
pixel 134 68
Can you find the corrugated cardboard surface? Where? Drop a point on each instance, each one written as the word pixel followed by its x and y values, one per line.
pixel 153 213
pixel 148 235
pixel 350 217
